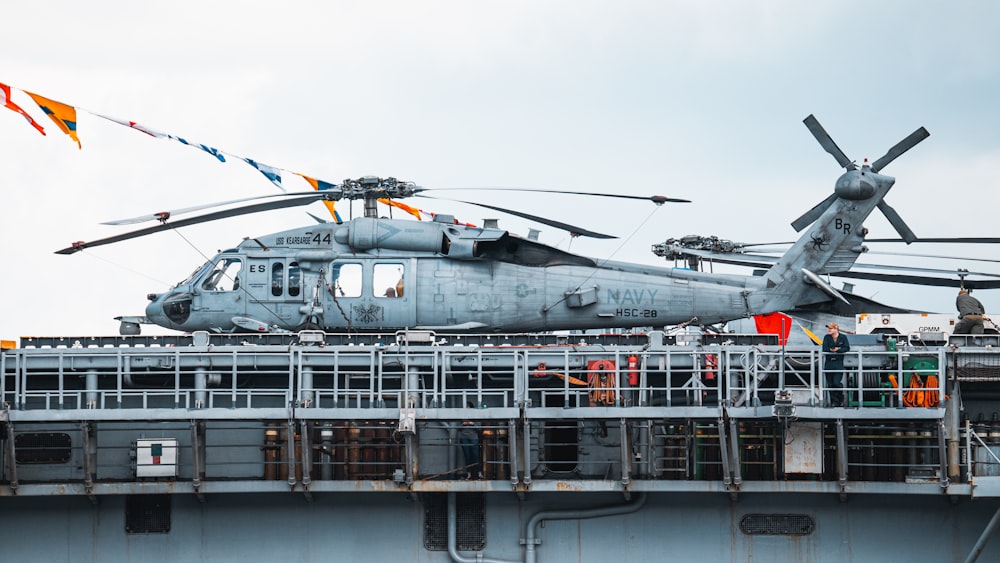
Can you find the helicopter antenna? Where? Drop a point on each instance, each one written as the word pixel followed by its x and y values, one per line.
pixel 615 251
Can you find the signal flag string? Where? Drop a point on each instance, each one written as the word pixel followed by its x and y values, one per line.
pixel 65 117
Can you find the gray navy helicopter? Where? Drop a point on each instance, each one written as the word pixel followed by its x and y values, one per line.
pixel 382 274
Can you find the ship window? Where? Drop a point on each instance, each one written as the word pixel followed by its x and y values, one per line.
pixel 777 524
pixel 347 280
pixel 224 276
pixel 277 279
pixel 147 514
pixel 294 279
pixel 42 447
pixel 470 512
pixel 388 280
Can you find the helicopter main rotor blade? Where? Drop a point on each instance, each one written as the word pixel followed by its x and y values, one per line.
pixel 571 229
pixel 920 280
pixel 897 222
pixel 164 215
pixel 944 240
pixel 900 148
pixel 810 217
pixel 826 141
pixel 939 256
pixel 235 212
pixel 657 199
pixel 955 272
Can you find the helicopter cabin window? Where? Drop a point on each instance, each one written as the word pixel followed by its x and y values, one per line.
pixel 277 279
pixel 346 280
pixel 294 279
pixel 224 276
pixel 387 280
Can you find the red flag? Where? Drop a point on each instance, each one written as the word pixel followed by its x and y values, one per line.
pixel 774 323
pixel 5 98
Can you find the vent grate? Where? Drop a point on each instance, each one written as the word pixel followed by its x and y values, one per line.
pixel 777 525
pixel 42 447
pixel 147 514
pixel 470 522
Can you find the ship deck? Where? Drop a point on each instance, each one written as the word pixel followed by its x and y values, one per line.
pixel 634 415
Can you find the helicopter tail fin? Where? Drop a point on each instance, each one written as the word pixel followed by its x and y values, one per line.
pixel 833 235
pixel 832 244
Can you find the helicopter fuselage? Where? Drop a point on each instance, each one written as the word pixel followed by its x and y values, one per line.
pixel 383 274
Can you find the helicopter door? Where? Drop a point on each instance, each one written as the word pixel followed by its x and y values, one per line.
pixel 369 295
pixel 344 293
pixel 285 292
pixel 219 293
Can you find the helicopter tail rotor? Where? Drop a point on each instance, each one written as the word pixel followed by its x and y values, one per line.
pixel 858 184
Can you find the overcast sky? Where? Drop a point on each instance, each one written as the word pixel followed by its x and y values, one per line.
pixel 700 100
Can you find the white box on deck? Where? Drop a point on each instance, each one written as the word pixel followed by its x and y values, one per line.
pixel 156 457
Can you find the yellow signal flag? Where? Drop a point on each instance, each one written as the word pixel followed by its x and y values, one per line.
pixel 812 336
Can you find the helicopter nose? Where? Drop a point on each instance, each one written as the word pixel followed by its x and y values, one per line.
pixel 154 311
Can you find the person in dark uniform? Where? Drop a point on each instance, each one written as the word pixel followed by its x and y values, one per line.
pixel 835 345
pixel 970 313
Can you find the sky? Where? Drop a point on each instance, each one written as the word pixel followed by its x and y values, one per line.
pixel 689 99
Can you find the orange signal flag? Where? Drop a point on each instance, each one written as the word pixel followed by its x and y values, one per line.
pixel 411 210
pixel 62 115
pixel 9 104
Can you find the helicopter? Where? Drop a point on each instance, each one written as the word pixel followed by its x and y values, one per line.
pixel 377 274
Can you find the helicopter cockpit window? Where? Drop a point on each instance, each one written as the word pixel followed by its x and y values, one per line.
pixel 346 280
pixel 294 279
pixel 193 275
pixel 387 280
pixel 224 276
pixel 277 278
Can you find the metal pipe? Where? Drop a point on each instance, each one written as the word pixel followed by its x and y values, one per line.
pixel 734 450
pixel 91 389
pixel 11 454
pixel 512 447
pixel 573 514
pixel 326 457
pixel 841 454
pixel 953 415
pixel 195 456
pixel 306 448
pixel 942 455
pixel 291 454
pixel 201 387
pixel 727 477
pixel 89 457
pixel 308 392
pixel 626 452
pixel 453 541
pixel 977 549
pixel 527 452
